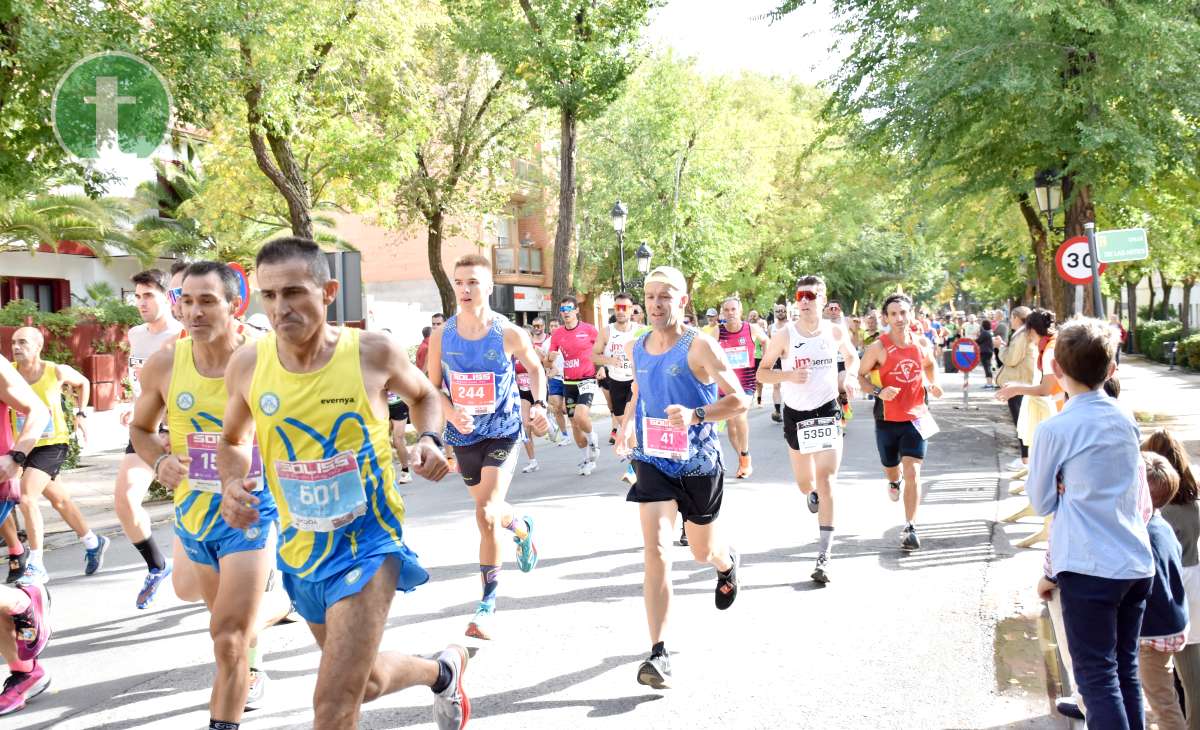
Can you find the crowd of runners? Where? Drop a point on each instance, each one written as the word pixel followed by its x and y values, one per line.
pixel 283 444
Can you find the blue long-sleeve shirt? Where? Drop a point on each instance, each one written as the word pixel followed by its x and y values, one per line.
pixel 1092 448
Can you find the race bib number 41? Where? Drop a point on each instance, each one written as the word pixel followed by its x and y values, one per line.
pixel 202 467
pixel 475 392
pixel 325 494
pixel 661 439
pixel 818 434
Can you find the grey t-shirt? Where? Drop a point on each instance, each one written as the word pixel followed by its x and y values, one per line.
pixel 1184 520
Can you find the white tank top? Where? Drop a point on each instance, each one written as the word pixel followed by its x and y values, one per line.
pixel 819 355
pixel 616 348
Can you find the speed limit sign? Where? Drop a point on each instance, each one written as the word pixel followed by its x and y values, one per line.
pixel 1074 261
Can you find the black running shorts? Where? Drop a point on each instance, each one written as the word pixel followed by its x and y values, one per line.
pixel 793 418
pixel 501 453
pixel 620 392
pixel 699 497
pixel 574 398
pixel 48 459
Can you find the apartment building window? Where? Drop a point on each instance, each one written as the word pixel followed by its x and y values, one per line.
pixel 50 295
pixel 530 258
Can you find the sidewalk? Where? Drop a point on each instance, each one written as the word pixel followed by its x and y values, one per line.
pixel 1162 398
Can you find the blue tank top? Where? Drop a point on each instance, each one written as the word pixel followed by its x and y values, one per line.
pixel 480 377
pixel 665 380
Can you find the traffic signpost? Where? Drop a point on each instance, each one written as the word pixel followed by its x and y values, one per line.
pixel 243 288
pixel 1125 244
pixel 966 355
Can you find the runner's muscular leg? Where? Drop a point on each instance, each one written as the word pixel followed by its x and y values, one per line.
pixel 912 486
pixel 803 471
pixel 658 527
pixel 133 481
pixel 739 433
pixel 492 512
pixel 183 576
pixel 826 465
pixel 33 483
pixel 58 497
pixel 233 625
pixel 399 429
pixel 706 545
pixel 8 529
pixel 582 422
pixel 528 427
pixel 352 669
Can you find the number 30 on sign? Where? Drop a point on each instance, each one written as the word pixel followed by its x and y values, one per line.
pixel 1074 261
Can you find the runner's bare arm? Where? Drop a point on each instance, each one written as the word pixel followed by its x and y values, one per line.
pixel 760 335
pixel 433 363
pixel 930 367
pixel 235 450
pixel 776 347
pixel 74 380
pixel 20 397
pixel 518 344
pixel 148 412
pixel 872 358
pixel 849 356
pixel 708 363
pixel 382 353
pixel 598 350
pixel 626 427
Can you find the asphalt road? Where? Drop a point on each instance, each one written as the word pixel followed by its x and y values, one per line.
pixel 943 638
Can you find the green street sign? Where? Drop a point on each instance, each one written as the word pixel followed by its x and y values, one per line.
pixel 1127 244
pixel 111 99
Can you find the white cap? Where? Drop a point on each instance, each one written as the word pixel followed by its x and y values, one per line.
pixel 711 312
pixel 668 275
pixel 259 321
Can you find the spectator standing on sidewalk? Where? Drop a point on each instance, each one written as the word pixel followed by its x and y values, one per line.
pixel 1183 515
pixel 987 350
pixel 1100 547
pixel 1018 361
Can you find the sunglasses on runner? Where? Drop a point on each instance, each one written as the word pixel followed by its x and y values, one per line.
pixel 566 308
pixel 174 294
pixel 620 307
pixel 805 294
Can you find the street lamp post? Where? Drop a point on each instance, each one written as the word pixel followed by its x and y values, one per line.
pixel 643 260
pixel 1048 189
pixel 619 214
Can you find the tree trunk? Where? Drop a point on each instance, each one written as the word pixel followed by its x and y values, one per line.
pixel 1166 291
pixel 1185 317
pixel 1153 294
pixel 1131 303
pixel 433 248
pixel 1048 293
pixel 1080 210
pixel 564 232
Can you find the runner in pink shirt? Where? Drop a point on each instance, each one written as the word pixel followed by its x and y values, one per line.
pixel 575 340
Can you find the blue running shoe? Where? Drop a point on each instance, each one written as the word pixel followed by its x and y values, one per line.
pixel 94 559
pixel 35 575
pixel 527 555
pixel 150 588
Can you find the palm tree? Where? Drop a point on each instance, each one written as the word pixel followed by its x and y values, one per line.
pixel 49 219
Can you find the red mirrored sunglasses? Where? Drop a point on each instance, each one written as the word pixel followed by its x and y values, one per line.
pixel 809 295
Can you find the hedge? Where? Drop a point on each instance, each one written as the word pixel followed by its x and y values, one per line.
pixel 1151 335
pixel 1188 353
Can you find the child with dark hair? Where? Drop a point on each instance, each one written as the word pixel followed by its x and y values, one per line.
pixel 1182 513
pixel 1165 623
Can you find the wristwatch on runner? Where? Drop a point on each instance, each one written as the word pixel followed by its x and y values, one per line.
pixel 699 415
pixel 18 457
pixel 877 390
pixel 541 403
pixel 437 440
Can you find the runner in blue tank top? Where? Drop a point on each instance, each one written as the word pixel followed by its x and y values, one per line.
pixel 472 358
pixel 677 373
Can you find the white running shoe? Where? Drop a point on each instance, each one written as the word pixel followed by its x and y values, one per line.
pixel 531 467
pixel 403 476
pixel 586 467
pixel 1014 465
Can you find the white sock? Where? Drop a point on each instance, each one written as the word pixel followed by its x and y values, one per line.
pixel 35 557
pixel 591 438
pixel 90 541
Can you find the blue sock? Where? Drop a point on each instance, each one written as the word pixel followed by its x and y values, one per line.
pixel 490 574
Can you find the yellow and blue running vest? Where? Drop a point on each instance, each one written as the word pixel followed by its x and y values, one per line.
pixel 48 389
pixel 195 406
pixel 328 462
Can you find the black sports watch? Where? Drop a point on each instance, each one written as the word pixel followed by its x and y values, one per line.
pixel 541 403
pixel 18 457
pixel 437 440
pixel 877 390
pixel 699 415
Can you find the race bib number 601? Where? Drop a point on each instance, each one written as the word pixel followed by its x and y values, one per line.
pixel 324 494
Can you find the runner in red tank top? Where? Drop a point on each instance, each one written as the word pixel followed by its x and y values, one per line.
pixel 907 371
pixel 737 339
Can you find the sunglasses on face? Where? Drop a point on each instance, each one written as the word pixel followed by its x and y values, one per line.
pixel 833 307
pixel 803 295
pixel 620 307
pixel 566 308
pixel 174 294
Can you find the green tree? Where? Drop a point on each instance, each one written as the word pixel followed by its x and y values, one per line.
pixel 572 56
pixel 988 95
pixel 476 124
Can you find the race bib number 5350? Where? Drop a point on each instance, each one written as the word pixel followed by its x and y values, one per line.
pixel 818 434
